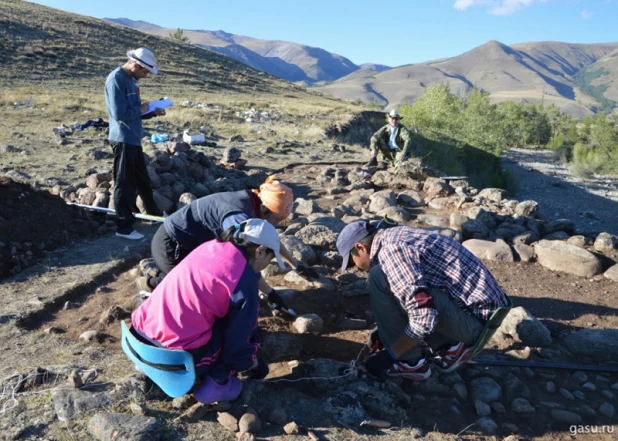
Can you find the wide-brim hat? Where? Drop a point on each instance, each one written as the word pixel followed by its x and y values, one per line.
pixel 145 58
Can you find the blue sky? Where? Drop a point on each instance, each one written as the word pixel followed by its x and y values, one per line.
pixel 392 33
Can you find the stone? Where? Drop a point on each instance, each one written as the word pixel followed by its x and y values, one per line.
pixel 321 236
pixel 245 436
pixel 521 405
pixel 481 214
pixel 410 198
pixel 183 402
pixel 112 314
pixel 525 238
pixel 487 425
pixel 352 323
pixel 607 394
pixel 485 389
pixel 561 256
pixel 578 241
pixel 482 408
pixel 278 416
pixel 381 200
pixel 492 194
pixel 355 289
pixel 494 251
pixel 436 221
pixel 589 386
pixel 228 421
pixel 401 215
pixel 612 273
pixel 299 250
pixel 566 394
pixel 308 323
pixel 460 391
pixel 443 203
pixel 498 407
pixel 607 409
pixel 525 253
pixel 566 225
pixel 249 422
pixel 304 207
pixel 436 187
pixel 137 409
pixel 291 428
pixel 89 336
pixel 564 416
pixel 474 228
pixel 550 387
pixel 120 426
pixel 527 208
pixel 70 402
pixel 579 394
pixel 605 242
pixel 524 328
pixel 598 344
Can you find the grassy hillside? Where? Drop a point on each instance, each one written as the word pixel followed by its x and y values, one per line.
pixel 524 72
pixel 53 67
pixel 291 61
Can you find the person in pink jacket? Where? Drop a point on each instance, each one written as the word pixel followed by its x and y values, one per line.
pixel 208 305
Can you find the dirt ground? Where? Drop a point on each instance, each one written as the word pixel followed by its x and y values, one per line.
pixel 564 303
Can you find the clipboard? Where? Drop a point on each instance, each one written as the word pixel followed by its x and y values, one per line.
pixel 161 103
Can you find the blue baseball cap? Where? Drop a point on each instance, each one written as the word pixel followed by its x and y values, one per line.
pixel 352 233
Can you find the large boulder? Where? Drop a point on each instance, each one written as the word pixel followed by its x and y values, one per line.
pixel 561 256
pixel 121 426
pixel 398 214
pixel 299 250
pixel 483 249
pixel 524 328
pixel 492 194
pixel 381 200
pixel 605 242
pixel 410 198
pixel 304 207
pixel 527 208
pixel 598 344
pixel 612 273
pixel 436 187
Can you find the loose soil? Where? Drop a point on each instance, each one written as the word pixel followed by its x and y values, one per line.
pixel 33 222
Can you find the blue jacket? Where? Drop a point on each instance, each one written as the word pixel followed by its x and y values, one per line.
pixel 123 108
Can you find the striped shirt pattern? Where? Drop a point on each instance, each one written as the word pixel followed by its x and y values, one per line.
pixel 416 260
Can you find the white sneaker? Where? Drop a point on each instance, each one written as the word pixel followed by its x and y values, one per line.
pixel 133 236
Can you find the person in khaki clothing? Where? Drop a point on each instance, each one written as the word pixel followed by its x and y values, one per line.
pixel 393 140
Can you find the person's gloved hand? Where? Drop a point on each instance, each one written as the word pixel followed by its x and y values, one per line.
pixel 377 364
pixel 260 370
pixel 373 342
pixel 306 271
pixel 275 301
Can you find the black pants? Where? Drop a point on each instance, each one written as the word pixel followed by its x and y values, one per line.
pixel 130 177
pixel 166 254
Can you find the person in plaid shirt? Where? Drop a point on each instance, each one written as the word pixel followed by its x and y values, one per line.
pixel 426 289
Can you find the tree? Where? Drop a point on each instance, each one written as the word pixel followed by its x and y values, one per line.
pixel 178 35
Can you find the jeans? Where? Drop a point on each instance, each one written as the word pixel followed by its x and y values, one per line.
pixel 454 324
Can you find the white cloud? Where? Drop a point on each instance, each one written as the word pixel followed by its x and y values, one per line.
pixel 586 14
pixel 496 7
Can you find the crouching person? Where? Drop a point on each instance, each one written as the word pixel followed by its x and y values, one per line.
pixel 208 307
pixel 426 290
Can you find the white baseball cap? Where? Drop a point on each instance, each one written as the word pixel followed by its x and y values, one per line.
pixel 262 232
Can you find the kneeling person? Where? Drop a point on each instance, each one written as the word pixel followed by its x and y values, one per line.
pixel 208 305
pixel 425 289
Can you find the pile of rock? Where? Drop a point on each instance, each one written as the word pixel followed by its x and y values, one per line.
pixel 254 115
pixel 178 175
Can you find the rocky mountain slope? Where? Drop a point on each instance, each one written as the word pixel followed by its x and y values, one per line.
pixel 290 61
pixel 525 72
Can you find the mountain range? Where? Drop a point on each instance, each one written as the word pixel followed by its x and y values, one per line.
pixel 578 78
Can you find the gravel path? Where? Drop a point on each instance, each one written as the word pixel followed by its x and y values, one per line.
pixel 591 203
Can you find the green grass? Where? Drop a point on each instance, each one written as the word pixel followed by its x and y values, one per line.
pixel 584 79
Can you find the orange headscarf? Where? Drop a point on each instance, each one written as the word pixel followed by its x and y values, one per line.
pixel 275 196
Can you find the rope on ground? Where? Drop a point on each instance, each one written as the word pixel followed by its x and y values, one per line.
pixel 346 373
pixel 9 396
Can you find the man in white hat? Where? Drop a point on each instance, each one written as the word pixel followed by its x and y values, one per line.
pixel 125 111
pixel 393 140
